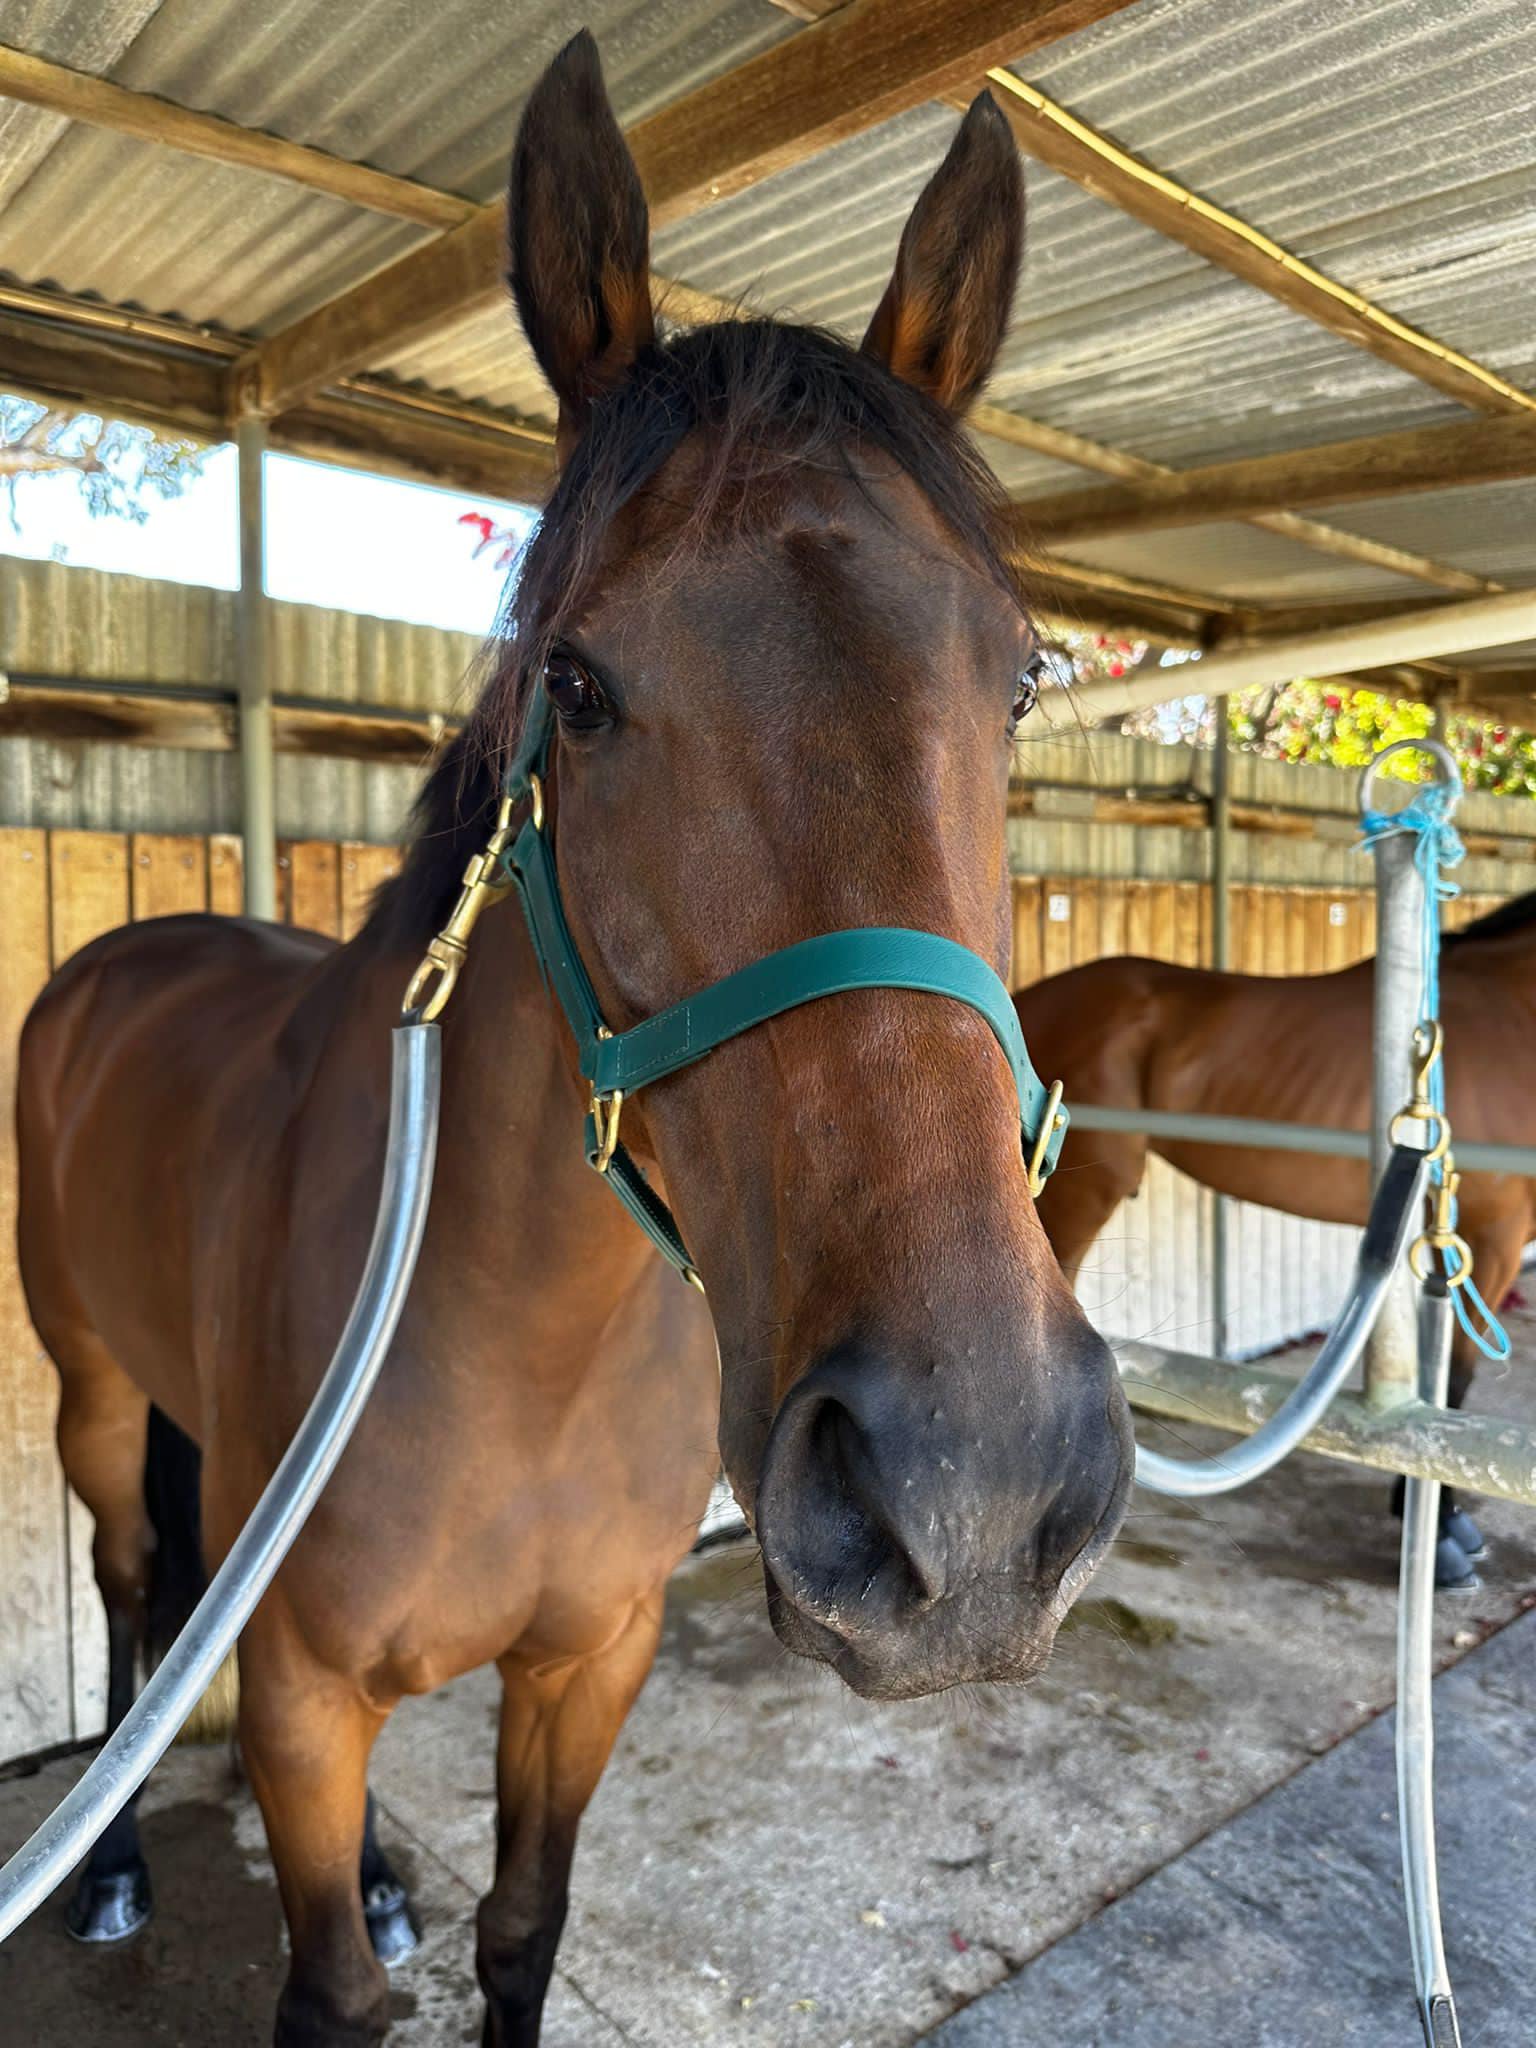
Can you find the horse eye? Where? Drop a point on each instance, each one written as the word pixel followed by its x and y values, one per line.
pixel 1027 692
pixel 573 692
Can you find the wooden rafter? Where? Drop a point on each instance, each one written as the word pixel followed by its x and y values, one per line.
pixel 100 104
pixel 871 61
pixel 1312 533
pixel 1481 451
pixel 1055 137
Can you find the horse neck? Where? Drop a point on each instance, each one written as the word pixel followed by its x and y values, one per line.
pixel 514 1204
pixel 1504 959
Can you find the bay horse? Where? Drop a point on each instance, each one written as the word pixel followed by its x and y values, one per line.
pixel 1146 1034
pixel 770 607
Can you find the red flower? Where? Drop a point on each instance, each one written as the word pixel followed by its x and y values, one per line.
pixel 1117 668
pixel 1334 702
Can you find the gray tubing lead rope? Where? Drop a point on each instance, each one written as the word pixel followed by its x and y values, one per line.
pixel 1415 1712
pixel 1386 1235
pixel 152 1722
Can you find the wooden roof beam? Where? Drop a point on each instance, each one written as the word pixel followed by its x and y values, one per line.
pixel 1061 446
pixel 872 60
pixel 365 426
pixel 1057 138
pixel 1481 451
pixel 100 104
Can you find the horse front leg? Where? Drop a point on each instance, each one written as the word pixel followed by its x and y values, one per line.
pixel 558 1729
pixel 306 1734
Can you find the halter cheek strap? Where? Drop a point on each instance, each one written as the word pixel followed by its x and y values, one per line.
pixel 617 1064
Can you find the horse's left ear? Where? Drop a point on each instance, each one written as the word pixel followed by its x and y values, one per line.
pixel 946 308
pixel 578 235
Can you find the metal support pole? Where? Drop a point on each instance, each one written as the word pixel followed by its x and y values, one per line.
pixel 258 809
pixel 1221 960
pixel 1392 1355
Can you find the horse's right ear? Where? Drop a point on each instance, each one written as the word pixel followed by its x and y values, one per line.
pixel 579 235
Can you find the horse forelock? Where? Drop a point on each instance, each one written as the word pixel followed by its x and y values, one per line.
pixel 763 395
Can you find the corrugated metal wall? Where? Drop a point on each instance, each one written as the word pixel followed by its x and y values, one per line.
pixel 1092 760
pixel 60 621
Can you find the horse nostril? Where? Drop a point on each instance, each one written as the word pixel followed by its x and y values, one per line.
pixel 847 1541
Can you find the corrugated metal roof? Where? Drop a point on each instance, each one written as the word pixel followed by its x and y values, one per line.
pixel 1391 142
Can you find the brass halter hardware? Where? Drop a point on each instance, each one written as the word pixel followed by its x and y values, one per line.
pixel 1440 1235
pixel 485 880
pixel 606 1110
pixel 1428 1043
pixel 1036 1170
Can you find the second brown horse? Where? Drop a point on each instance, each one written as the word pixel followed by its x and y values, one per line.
pixel 1145 1034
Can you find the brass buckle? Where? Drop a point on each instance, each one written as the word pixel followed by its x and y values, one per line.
pixel 1050 1124
pixel 484 881
pixel 606 1110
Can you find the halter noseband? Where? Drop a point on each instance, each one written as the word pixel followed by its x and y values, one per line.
pixel 617 1064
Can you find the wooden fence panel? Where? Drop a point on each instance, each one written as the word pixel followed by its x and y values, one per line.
pixel 309 885
pixel 363 868
pixel 90 895
pixel 167 872
pixel 226 874
pixel 1028 910
pixel 36 1698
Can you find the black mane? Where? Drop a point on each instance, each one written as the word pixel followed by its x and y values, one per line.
pixel 770 395
pixel 1509 917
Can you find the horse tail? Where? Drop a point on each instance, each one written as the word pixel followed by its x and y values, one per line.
pixel 178 1578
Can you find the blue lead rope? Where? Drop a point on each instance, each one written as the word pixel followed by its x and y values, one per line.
pixel 1438 847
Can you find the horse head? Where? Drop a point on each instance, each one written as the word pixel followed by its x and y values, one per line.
pixel 771 606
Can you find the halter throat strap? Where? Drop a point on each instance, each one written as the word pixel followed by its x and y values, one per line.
pixel 618 1064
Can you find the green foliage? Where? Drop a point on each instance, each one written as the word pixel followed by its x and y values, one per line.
pixel 1345 728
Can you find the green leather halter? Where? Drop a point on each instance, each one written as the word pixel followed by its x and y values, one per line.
pixel 617 1064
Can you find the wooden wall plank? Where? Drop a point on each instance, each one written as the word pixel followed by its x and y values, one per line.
pixel 363 868
pixel 1056 939
pixel 90 895
pixel 226 874
pixel 1186 924
pixel 36 1694
pixel 309 892
pixel 1087 943
pixel 89 879
pixel 168 872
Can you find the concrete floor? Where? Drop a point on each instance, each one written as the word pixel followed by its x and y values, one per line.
pixel 773 1862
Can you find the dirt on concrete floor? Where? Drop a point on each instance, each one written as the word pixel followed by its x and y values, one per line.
pixel 771 1863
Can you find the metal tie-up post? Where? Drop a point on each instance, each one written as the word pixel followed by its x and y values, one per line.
pixel 1398 1315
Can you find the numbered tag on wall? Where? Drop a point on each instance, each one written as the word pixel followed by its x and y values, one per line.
pixel 1337 914
pixel 1059 909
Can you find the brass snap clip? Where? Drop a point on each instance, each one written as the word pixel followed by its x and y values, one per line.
pixel 1428 1044
pixel 484 881
pixel 1050 1123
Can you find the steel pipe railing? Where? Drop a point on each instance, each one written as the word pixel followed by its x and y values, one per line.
pixel 1377 1265
pixel 1266 1135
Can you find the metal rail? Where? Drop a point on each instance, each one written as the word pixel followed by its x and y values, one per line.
pixel 152 1722
pixel 1280 1137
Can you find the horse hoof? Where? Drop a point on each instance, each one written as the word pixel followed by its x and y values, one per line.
pixel 1463 1530
pixel 110 1909
pixel 1453 1568
pixel 391 1925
